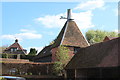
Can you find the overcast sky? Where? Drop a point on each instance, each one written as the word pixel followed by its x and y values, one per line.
pixel 36 24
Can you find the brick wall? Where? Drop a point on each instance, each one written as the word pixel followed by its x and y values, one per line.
pixel 27 68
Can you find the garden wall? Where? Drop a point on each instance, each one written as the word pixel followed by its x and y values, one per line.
pixel 29 68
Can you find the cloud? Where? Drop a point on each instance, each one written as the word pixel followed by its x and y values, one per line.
pixel 116 30
pixel 51 21
pixel 90 5
pixel 50 33
pixel 83 19
pixel 12 37
pixel 116 12
pixel 25 34
pixel 27 31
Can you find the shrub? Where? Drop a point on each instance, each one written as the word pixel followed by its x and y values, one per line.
pixel 2 78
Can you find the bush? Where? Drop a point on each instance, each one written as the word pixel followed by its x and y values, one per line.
pixel 4 55
pixel 29 57
pixel 2 78
pixel 63 58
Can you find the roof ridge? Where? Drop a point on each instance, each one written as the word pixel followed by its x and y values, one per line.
pixel 16 44
pixel 64 32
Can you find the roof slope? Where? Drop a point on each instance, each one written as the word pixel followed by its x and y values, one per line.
pixel 70 35
pixel 104 54
pixel 109 38
pixel 15 45
pixel 46 51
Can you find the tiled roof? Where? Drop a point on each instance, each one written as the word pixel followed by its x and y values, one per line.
pixel 109 38
pixel 15 45
pixel 46 51
pixel 104 54
pixel 70 35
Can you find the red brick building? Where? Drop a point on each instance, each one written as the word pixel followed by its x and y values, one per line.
pixel 70 36
pixel 15 48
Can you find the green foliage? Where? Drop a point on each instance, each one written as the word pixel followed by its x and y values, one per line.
pixel 52 42
pixel 30 73
pixel 119 34
pixel 26 73
pixel 95 36
pixel 62 54
pixel 32 52
pixel 2 48
pixel 2 78
pixel 4 55
pixel 58 66
pixel 63 57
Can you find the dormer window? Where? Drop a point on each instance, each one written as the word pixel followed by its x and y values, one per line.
pixel 14 49
pixel 11 50
pixel 44 52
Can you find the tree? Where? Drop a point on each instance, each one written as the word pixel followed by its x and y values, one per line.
pixel 2 48
pixel 63 57
pixel 52 42
pixel 119 34
pixel 95 36
pixel 3 55
pixel 32 52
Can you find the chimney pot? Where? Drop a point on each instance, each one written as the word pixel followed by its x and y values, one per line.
pixel 69 14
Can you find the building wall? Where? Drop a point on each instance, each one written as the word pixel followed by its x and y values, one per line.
pixel 105 73
pixel 70 73
pixel 27 68
pixel 15 52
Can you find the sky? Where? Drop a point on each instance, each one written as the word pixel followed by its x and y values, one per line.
pixel 36 23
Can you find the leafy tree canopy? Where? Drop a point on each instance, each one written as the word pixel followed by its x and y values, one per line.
pixel 2 48
pixel 32 52
pixel 63 57
pixel 95 36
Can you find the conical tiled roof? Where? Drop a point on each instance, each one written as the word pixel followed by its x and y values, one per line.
pixel 70 35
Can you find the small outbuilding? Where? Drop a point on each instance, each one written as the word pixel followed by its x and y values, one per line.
pixel 99 61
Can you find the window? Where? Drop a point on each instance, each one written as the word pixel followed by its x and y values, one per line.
pixel 76 49
pixel 15 49
pixel 11 50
